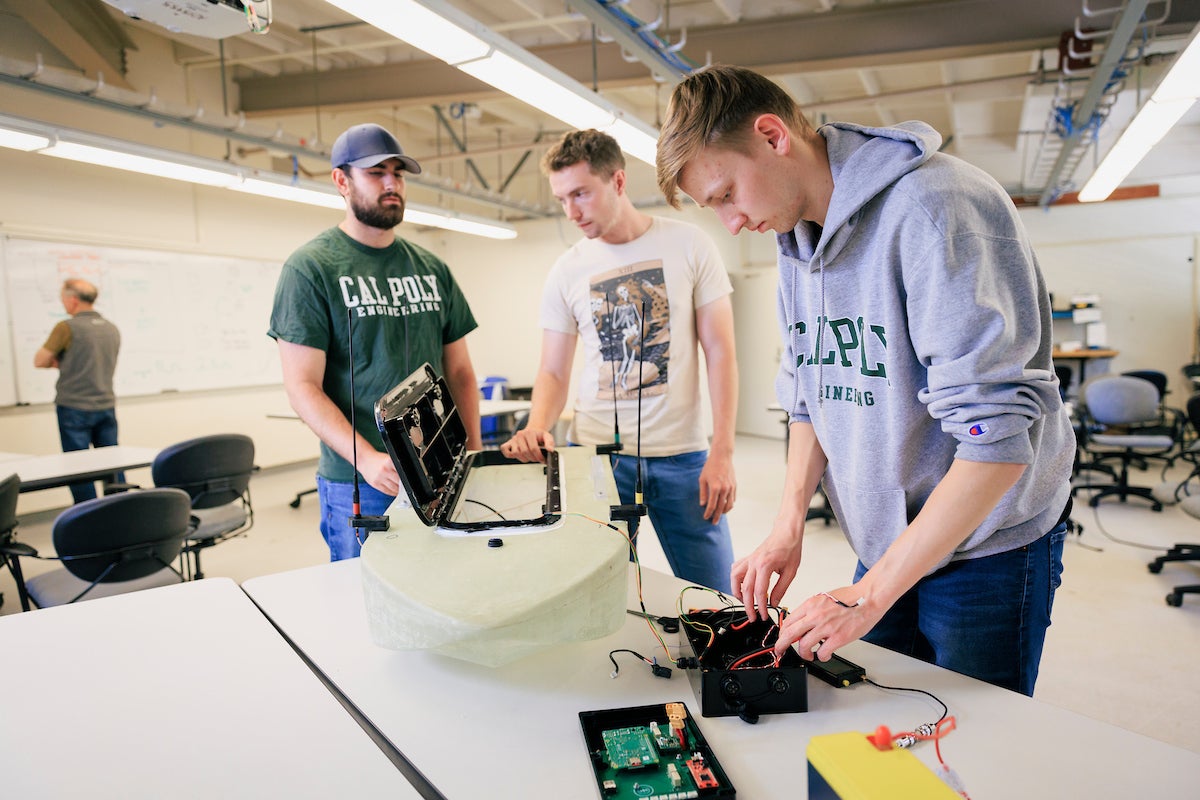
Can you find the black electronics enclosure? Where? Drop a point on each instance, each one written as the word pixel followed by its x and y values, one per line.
pixel 726 687
pixel 427 441
pixel 635 754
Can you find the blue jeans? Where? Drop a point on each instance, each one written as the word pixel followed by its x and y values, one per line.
pixel 78 430
pixel 696 549
pixel 984 617
pixel 337 504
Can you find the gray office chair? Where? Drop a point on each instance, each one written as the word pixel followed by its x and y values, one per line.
pixel 1113 408
pixel 110 545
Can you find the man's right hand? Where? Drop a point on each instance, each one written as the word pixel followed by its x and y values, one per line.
pixel 778 555
pixel 528 444
pixel 379 471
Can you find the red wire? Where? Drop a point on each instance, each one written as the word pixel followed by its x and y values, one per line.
pixel 755 654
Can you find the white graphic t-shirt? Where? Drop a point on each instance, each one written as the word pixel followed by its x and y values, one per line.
pixel 633 306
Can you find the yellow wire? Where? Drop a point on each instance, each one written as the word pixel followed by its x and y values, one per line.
pixel 637 571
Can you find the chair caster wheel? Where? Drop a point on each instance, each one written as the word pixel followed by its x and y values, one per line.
pixel 295 503
pixel 1155 567
pixel 1175 599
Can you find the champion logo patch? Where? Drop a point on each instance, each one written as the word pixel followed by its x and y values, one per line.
pixel 978 429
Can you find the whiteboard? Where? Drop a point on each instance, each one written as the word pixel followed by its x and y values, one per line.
pixel 188 322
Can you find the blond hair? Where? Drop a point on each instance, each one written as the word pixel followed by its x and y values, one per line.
pixel 713 107
pixel 598 150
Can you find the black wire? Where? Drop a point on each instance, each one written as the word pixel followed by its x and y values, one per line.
pixel 1087 484
pixel 936 699
pixel 617 667
pixel 485 505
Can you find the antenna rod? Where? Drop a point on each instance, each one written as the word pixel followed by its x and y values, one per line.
pixel 637 492
pixel 357 520
pixel 615 446
pixel 354 503
pixel 632 511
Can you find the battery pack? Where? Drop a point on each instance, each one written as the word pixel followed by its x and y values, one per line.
pixel 848 766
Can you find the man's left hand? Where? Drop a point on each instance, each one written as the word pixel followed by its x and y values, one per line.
pixel 718 487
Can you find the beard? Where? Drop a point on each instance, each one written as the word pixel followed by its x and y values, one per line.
pixel 375 214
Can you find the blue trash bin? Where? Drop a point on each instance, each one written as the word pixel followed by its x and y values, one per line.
pixel 493 387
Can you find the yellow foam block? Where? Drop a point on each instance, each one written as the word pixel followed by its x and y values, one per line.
pixel 847 766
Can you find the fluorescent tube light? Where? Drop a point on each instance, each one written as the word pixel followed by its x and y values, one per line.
pixel 463 223
pixel 157 167
pixel 21 134
pixel 317 194
pixel 456 39
pixel 528 84
pixel 427 29
pixel 297 194
pixel 1175 94
pixel 19 140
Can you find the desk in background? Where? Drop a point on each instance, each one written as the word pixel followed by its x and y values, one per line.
pixel 77 466
pixel 1081 357
pixel 519 727
pixel 182 691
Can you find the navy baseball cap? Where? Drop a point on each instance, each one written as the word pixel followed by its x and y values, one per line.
pixel 367 145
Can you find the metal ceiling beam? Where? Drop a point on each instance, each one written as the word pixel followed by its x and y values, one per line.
pixel 83 31
pixel 1114 51
pixel 874 36
pixel 629 40
pixel 274 144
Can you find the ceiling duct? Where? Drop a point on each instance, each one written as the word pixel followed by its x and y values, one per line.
pixel 1105 57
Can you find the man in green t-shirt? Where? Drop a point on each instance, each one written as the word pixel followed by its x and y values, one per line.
pixel 406 309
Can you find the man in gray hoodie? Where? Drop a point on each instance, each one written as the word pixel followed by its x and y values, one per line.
pixel 916 371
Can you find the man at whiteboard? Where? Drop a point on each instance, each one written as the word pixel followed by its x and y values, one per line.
pixel 407 309
pixel 84 351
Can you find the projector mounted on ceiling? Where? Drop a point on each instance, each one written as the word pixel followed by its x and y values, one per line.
pixel 213 19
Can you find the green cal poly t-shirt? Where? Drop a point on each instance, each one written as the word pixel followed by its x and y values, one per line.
pixel 405 306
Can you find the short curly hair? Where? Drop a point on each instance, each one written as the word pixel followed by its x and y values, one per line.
pixel 713 107
pixel 598 150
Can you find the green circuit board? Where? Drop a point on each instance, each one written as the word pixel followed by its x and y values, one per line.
pixel 651 760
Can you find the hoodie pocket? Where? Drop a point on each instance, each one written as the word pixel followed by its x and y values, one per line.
pixel 871 519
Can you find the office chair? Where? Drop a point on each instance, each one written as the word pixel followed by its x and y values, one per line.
pixel 1113 409
pixel 215 472
pixel 10 490
pixel 1189 452
pixel 111 545
pixel 1159 379
pixel 1191 373
pixel 1181 552
pixel 1169 418
pixel 1064 374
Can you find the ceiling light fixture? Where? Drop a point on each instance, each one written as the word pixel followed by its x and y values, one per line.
pixel 30 136
pixel 461 41
pixel 1175 94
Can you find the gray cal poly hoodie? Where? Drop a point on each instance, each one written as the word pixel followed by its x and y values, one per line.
pixel 931 318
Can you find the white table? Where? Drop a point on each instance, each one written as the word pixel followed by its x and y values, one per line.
pixel 78 466
pixel 183 692
pixel 519 725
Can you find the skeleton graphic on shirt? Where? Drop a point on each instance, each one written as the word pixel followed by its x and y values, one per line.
pixel 632 320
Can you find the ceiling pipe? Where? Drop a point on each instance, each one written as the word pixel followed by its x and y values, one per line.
pixel 34 76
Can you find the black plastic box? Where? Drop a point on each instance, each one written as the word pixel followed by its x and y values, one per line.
pixel 722 685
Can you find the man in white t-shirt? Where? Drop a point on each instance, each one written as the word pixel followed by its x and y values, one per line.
pixel 640 292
